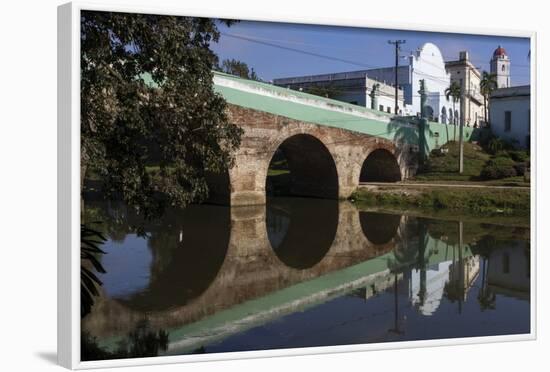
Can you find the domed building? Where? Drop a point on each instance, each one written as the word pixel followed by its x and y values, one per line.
pixel 500 66
pixel 373 88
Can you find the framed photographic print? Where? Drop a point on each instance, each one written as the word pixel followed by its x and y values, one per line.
pixel 236 188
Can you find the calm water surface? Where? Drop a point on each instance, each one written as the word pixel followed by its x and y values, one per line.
pixel 305 272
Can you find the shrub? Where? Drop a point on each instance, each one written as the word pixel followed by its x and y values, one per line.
pixel 498 167
pixel 519 156
pixel 489 172
pixel 521 167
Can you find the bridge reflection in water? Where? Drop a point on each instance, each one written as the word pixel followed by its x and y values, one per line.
pixel 210 273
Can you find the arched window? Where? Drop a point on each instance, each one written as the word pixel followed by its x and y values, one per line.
pixel 443 115
pixel 503 68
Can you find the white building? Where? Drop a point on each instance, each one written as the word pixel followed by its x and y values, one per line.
pixel 425 64
pixel 510 112
pixel 354 87
pixel 509 270
pixel 468 77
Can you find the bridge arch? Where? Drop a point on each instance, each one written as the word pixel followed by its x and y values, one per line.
pixel 380 165
pixel 311 165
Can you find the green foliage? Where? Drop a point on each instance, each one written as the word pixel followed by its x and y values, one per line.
pixel 496 145
pixel 139 343
pixel 500 166
pixel 453 91
pixel 238 68
pixel 488 83
pixel 90 241
pixel 147 97
pixel 444 167
pixel 479 164
pixel 519 156
pixel 328 91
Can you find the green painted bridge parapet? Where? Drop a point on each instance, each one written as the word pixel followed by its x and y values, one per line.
pixel 327 143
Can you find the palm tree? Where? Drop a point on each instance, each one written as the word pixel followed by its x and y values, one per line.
pixel 455 91
pixel 487 85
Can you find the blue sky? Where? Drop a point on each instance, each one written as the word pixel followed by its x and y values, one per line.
pixel 366 47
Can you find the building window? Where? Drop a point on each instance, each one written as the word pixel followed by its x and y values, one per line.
pixel 381 108
pixel 503 68
pixel 505 263
pixel 388 109
pixel 507 121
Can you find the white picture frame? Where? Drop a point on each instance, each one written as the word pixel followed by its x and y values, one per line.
pixel 69 190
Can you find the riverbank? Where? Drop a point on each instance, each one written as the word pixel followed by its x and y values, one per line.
pixel 479 201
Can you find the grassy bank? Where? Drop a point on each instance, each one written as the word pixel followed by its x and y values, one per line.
pixel 502 167
pixel 475 201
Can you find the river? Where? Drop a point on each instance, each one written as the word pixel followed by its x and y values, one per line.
pixel 301 272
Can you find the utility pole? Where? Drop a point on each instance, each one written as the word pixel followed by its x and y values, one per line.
pixel 465 85
pixel 397 43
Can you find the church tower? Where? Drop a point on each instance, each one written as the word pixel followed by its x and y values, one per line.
pixel 500 66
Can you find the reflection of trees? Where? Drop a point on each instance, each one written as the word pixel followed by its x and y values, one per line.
pixel 405 254
pixel 188 247
pixel 141 342
pixel 115 219
pixel 483 248
pixel 454 289
pixel 409 254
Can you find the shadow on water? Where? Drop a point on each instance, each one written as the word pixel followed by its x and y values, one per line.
pixel 379 228
pixel 186 250
pixel 300 230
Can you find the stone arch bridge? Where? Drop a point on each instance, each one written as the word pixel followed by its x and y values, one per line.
pixel 330 145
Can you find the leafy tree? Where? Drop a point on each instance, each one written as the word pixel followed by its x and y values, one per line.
pixel 147 98
pixel 238 68
pixel 329 91
pixel 487 85
pixel 90 240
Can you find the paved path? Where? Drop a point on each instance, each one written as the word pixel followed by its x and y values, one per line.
pixel 455 185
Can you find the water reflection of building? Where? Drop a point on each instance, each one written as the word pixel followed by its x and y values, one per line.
pixel 509 270
pixel 427 287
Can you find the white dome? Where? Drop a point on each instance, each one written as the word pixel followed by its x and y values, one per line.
pixel 432 53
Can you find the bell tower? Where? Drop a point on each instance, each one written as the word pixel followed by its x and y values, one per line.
pixel 500 66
